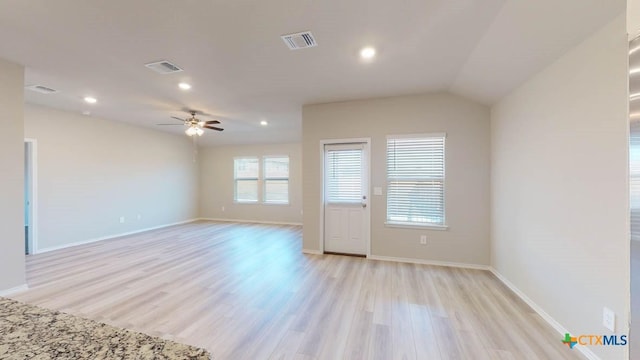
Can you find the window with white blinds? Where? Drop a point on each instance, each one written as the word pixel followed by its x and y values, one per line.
pixel 268 179
pixel 344 175
pixel 246 172
pixel 415 180
pixel 276 179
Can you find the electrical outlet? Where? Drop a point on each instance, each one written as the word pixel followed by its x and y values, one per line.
pixel 609 319
pixel 121 219
pixel 223 208
pixel 139 217
pixel 423 239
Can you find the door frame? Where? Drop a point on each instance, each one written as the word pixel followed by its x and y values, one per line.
pixel 367 213
pixel 32 144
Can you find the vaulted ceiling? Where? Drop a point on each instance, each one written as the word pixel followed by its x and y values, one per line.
pixel 242 73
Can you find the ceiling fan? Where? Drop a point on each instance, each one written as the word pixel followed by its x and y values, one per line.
pixel 194 125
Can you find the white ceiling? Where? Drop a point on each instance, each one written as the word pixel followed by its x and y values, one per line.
pixel 243 73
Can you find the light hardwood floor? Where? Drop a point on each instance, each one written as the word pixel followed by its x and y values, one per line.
pixel 246 291
pixel 634 331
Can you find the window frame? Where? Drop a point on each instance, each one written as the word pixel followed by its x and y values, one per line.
pixel 264 179
pixel 236 179
pixel 328 148
pixel 261 181
pixel 417 225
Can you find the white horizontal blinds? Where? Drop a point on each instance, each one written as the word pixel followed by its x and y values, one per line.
pixel 634 179
pixel 344 175
pixel 415 180
pixel 276 179
pixel 246 172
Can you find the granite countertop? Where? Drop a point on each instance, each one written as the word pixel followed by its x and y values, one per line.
pixel 30 332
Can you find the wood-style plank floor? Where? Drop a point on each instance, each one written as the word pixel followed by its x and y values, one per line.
pixel 245 291
pixel 634 331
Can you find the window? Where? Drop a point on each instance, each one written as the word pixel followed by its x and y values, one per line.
pixel 415 180
pixel 276 179
pixel 344 178
pixel 246 179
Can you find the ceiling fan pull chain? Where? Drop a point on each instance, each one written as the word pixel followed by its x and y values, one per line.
pixel 195 148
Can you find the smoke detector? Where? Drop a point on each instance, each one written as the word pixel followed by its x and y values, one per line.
pixel 41 89
pixel 163 67
pixel 299 40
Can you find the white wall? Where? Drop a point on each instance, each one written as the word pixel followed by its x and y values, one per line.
pixel 93 171
pixel 12 271
pixel 217 184
pixel 633 18
pixel 467 171
pixel 560 215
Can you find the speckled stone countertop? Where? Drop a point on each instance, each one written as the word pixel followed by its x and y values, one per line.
pixel 30 332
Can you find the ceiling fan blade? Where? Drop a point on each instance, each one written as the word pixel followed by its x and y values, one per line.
pixel 213 128
pixel 177 118
pixel 212 122
pixel 172 124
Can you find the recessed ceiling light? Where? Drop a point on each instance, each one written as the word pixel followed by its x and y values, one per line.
pixel 184 86
pixel 90 100
pixel 367 53
pixel 264 123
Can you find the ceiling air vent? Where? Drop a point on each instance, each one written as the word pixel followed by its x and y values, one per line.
pixel 299 40
pixel 163 67
pixel 41 89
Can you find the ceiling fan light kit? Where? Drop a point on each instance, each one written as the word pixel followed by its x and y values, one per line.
pixel 194 130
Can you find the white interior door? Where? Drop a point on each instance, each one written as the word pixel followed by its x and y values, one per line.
pixel 28 228
pixel 27 198
pixel 346 186
pixel 30 196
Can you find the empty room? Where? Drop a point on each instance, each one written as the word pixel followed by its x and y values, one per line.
pixel 425 179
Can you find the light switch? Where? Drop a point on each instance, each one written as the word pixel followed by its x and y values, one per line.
pixel 609 319
pixel 377 190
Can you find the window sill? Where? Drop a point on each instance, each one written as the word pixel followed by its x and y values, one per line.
pixel 412 226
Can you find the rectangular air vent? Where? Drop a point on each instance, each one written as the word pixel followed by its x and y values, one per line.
pixel 299 40
pixel 41 89
pixel 163 67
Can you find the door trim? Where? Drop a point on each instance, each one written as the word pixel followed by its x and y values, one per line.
pixel 367 214
pixel 33 225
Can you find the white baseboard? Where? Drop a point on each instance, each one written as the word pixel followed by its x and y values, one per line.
pixel 14 290
pixel 543 314
pixel 253 221
pixel 311 252
pixel 111 236
pixel 429 262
